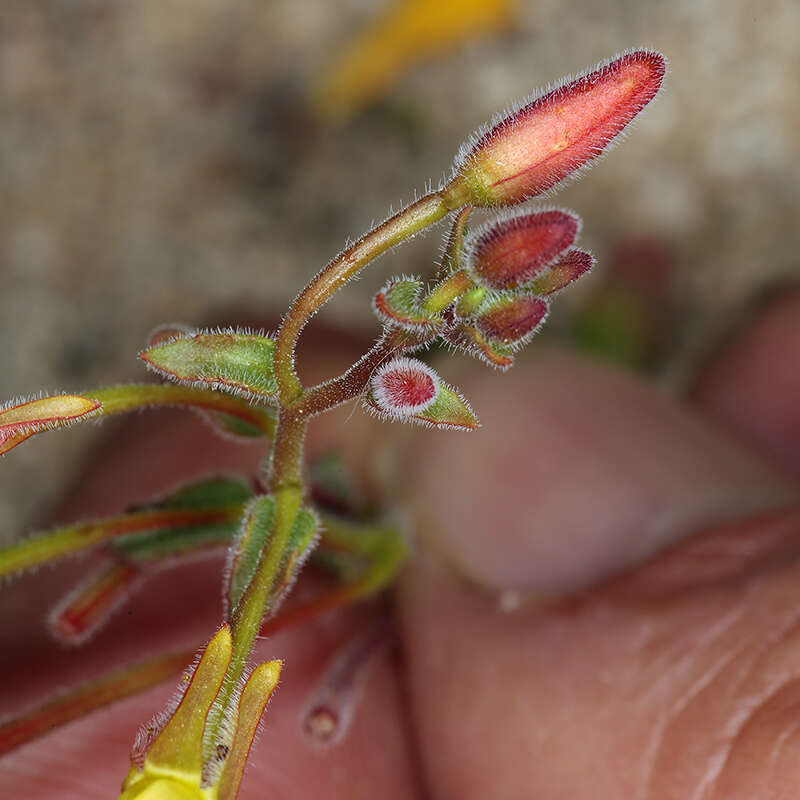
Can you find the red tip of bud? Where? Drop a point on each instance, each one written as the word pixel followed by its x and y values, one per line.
pixel 514 320
pixel 557 133
pixel 511 251
pixel 404 386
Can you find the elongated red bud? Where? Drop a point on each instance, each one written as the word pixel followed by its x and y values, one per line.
pixel 512 250
pixel 558 132
pixel 514 320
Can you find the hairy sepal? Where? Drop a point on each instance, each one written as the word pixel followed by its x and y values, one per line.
pixel 245 552
pixel 398 304
pixel 235 361
pixel 246 549
pixel 468 339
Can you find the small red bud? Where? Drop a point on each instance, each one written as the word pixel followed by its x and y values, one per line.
pixel 557 133
pixel 568 268
pixel 513 321
pixel 404 386
pixel 511 251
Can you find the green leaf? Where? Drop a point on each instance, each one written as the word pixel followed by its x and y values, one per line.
pixel 218 493
pixel 208 493
pixel 233 361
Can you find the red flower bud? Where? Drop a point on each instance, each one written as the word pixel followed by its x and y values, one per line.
pixel 404 386
pixel 513 321
pixel 567 268
pixel 510 251
pixel 548 139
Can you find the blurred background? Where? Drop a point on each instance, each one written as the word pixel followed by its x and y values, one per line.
pixel 197 161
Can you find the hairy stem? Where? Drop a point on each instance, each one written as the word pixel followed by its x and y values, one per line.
pixel 353 382
pixel 405 223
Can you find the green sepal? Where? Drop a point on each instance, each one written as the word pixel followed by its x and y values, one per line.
pixel 247 548
pixel 398 304
pixel 233 361
pixel 448 410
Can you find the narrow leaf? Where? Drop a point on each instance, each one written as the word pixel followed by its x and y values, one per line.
pixel 87 607
pixel 21 420
pixel 71 539
pixel 233 361
pixel 77 702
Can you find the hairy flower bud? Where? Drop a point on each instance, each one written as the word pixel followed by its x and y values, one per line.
pixel 513 321
pixel 511 251
pixel 567 268
pixel 404 386
pixel 558 132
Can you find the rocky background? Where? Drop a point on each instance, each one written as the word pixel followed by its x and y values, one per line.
pixel 172 161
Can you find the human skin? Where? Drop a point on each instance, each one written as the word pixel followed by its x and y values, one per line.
pixel 603 602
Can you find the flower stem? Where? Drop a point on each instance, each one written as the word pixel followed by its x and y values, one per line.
pixel 352 383
pixel 405 223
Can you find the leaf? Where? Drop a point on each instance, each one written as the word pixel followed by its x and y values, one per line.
pixel 88 607
pixel 233 361
pixel 22 419
pixel 154 526
pixel 81 700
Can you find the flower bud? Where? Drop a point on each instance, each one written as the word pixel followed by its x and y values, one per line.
pixel 567 268
pixel 513 321
pixel 404 386
pixel 548 139
pixel 511 251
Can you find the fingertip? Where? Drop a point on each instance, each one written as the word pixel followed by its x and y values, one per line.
pixel 578 472
pixel 752 387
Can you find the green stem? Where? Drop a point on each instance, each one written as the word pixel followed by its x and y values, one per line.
pixel 406 223
pixel 445 292
pixel 287 490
